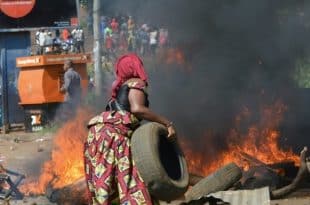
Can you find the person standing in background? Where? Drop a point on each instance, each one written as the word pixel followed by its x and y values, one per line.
pixel 153 41
pixel 72 90
pixel 78 35
pixel 114 25
pixel 48 43
pixel 103 25
pixel 42 36
pixel 65 34
pixel 130 24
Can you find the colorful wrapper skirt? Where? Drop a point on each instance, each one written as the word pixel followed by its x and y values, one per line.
pixel 110 170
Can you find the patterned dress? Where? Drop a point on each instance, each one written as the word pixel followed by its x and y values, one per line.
pixel 109 167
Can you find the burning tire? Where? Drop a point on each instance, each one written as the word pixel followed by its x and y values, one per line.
pixel 220 180
pixel 72 194
pixel 161 163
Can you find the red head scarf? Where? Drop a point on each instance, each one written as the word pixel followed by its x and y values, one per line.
pixel 128 66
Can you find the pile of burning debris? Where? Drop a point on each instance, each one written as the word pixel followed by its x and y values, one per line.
pixel 277 177
pixel 281 179
pixel 62 181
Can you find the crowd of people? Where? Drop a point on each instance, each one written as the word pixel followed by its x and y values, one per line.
pixel 118 35
pixel 64 41
pixel 123 34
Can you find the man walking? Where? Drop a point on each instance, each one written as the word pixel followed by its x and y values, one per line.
pixel 72 89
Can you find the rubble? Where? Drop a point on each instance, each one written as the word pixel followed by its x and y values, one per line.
pixel 9 181
pixel 72 194
pixel 302 173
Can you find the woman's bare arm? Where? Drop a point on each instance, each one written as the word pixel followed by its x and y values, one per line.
pixel 137 107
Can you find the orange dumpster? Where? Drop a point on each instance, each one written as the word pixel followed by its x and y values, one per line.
pixel 41 77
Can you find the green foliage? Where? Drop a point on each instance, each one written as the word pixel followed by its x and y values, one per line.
pixel 83 3
pixel 107 66
pixel 90 70
pixel 302 73
pixel 83 24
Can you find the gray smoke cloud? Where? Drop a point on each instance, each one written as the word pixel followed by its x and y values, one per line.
pixel 236 49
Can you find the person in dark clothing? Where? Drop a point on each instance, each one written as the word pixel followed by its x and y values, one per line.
pixel 72 89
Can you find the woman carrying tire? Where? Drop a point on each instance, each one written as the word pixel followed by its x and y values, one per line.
pixel 109 167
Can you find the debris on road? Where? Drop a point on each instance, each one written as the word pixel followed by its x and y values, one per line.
pixel 8 185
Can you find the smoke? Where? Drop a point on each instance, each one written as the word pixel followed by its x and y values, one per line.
pixel 237 49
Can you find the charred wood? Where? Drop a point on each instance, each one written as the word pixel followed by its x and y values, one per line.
pixel 302 173
pixel 253 161
pixel 210 200
pixel 282 165
pixel 73 194
pixel 258 177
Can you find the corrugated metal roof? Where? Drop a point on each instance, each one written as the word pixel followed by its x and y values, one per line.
pixel 245 197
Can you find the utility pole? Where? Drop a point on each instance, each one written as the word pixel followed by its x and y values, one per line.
pixel 97 47
pixel 77 2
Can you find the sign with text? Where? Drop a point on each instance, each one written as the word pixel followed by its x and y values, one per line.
pixel 36 13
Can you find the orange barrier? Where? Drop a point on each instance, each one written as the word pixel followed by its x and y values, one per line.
pixel 41 77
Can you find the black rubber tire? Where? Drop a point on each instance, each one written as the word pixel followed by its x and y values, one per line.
pixel 160 163
pixel 220 180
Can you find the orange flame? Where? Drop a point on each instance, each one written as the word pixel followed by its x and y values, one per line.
pixel 174 56
pixel 66 164
pixel 260 141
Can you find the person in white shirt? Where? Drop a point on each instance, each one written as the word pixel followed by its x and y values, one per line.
pixel 48 43
pixel 41 40
pixel 153 40
pixel 78 36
